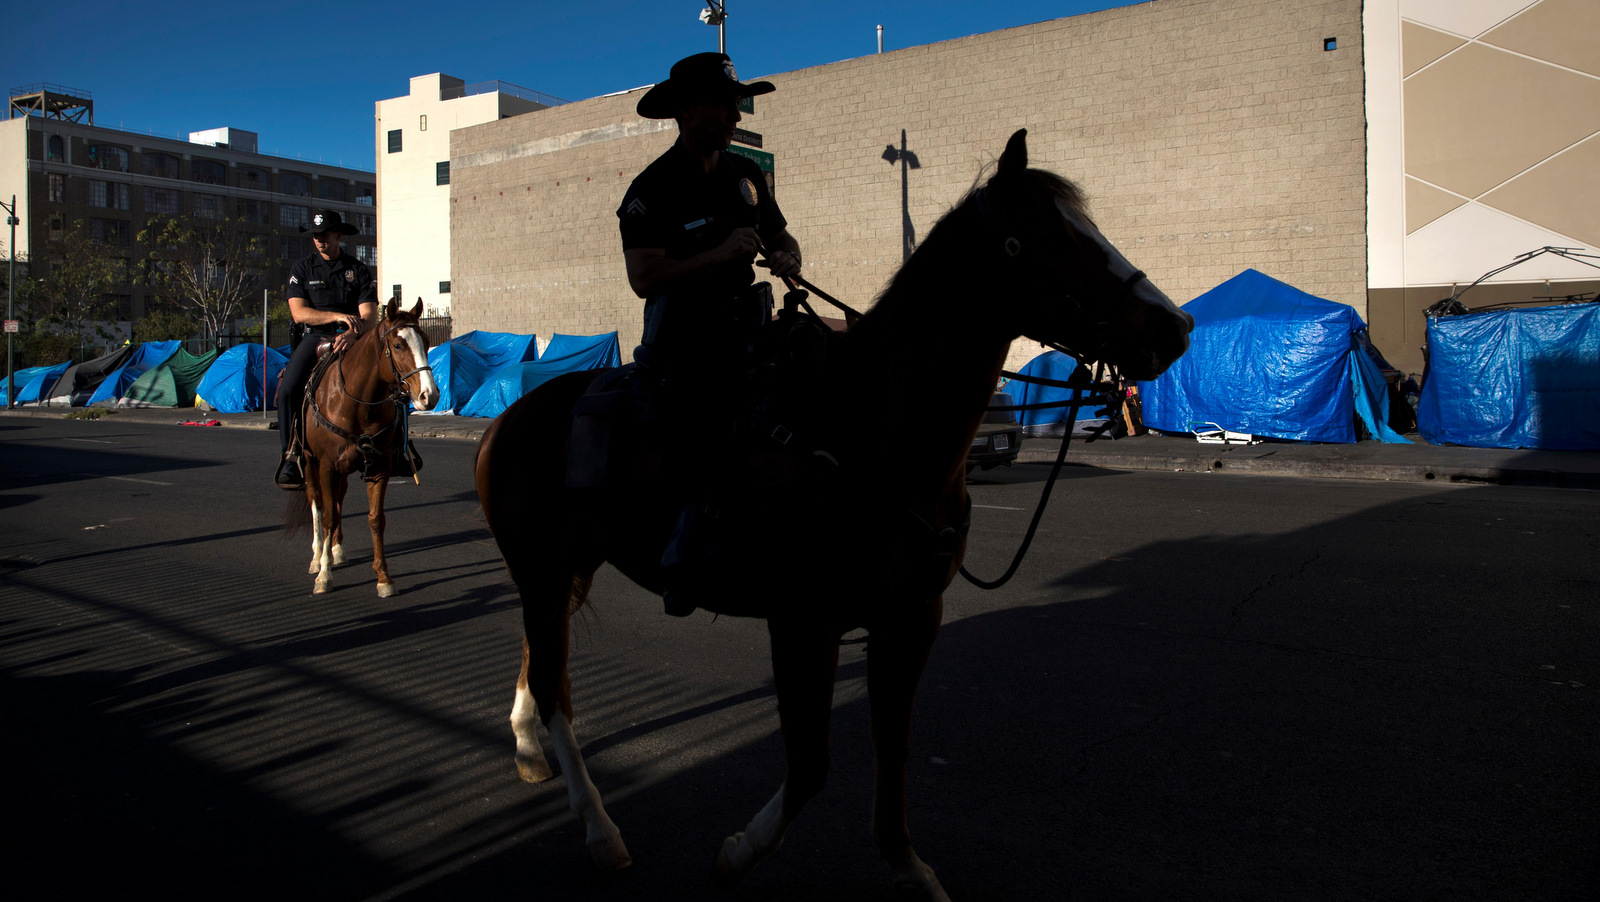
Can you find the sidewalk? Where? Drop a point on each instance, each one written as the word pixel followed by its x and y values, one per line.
pixel 1416 462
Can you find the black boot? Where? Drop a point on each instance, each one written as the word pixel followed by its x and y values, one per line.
pixel 407 461
pixel 689 560
pixel 289 477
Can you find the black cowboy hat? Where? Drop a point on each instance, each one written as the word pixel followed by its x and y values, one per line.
pixel 704 76
pixel 329 221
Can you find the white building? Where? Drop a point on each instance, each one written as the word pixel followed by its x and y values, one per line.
pixel 413 154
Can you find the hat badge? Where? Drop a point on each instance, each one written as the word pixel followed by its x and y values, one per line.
pixel 728 70
pixel 316 220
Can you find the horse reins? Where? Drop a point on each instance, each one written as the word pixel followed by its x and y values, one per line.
pixel 1077 386
pixel 401 393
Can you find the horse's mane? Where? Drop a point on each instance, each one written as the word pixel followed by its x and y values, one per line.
pixel 943 239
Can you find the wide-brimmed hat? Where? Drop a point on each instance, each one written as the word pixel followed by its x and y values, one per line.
pixel 704 76
pixel 329 221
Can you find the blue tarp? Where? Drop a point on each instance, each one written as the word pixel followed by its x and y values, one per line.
pixel 233 383
pixel 1526 378
pixel 463 363
pixel 1271 360
pixel 1049 365
pixel 565 354
pixel 147 355
pixel 32 379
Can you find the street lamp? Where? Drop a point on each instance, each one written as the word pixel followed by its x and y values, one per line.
pixel 11 295
pixel 716 13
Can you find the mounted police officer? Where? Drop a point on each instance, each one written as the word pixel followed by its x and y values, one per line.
pixel 329 293
pixel 692 224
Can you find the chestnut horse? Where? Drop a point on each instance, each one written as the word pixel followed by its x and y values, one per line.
pixel 354 395
pixel 1017 256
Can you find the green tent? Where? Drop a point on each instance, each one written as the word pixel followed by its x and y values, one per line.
pixel 172 384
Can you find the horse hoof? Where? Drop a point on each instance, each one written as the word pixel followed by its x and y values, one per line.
pixel 385 590
pixel 724 873
pixel 608 853
pixel 916 881
pixel 314 569
pixel 533 770
pixel 338 555
pixel 320 587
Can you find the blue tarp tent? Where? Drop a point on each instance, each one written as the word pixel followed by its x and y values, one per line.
pixel 1269 359
pixel 565 354
pixel 463 363
pixel 1526 378
pixel 147 355
pixel 233 383
pixel 1049 365
pixel 32 379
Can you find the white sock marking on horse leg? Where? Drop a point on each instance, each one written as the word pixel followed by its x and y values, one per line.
pixel 602 836
pixel 531 763
pixel 761 838
pixel 316 537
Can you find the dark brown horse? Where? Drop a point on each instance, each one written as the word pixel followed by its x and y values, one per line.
pixel 354 408
pixel 1017 256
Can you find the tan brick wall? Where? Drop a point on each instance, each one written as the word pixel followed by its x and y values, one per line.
pixel 1210 135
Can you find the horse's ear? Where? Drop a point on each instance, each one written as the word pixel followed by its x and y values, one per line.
pixel 1015 158
pixel 416 311
pixel 391 308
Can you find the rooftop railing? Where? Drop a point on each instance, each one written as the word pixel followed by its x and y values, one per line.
pixel 48 87
pixel 500 87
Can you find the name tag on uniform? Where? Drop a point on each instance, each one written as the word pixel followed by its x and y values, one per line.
pixel 314 283
pixel 695 225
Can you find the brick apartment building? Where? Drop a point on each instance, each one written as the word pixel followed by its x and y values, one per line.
pixel 64 168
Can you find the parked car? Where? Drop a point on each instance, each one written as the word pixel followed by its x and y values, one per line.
pixel 999 437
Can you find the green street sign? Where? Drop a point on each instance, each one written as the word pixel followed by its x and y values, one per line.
pixel 762 158
pixel 747 104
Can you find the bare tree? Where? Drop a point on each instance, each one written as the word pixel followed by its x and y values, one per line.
pixel 209 269
pixel 74 293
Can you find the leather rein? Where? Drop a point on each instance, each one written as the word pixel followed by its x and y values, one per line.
pixel 401 392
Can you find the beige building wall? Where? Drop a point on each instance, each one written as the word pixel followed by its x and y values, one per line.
pixel 1484 145
pixel 14 180
pixel 414 233
pixel 1210 135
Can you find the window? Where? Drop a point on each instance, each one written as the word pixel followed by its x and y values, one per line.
pixel 109 231
pixel 161 200
pixel 330 189
pixel 365 222
pixel 422 122
pixel 161 165
pixel 293 216
pixel 255 212
pixel 108 156
pixel 1330 43
pixel 55 150
pixel 294 249
pixel 394 140
pixel 441 173
pixel 57 226
pixel 397 291
pixel 294 184
pixel 210 206
pixel 364 195
pixel 367 254
pixel 211 172
pixel 444 287
pixel 111 195
pixel 253 177
pixel 123 302
pixel 58 187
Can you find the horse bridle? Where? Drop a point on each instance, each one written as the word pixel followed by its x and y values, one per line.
pixel 402 389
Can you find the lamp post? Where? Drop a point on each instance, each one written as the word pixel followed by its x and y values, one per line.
pixel 716 13
pixel 11 296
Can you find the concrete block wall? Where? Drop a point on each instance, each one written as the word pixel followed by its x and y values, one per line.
pixel 1210 136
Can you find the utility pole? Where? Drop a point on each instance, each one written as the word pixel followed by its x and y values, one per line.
pixel 11 297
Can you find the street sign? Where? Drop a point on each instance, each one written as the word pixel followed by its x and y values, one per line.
pixel 744 137
pixel 762 158
pixel 11 325
pixel 747 104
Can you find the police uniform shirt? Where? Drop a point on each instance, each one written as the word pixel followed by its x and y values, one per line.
pixel 341 285
pixel 677 206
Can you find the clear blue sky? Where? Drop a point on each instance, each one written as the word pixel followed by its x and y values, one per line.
pixel 304 76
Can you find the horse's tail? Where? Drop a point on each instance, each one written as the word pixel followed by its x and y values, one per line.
pixel 297 514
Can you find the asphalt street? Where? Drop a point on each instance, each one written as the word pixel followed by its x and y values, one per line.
pixel 1200 686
